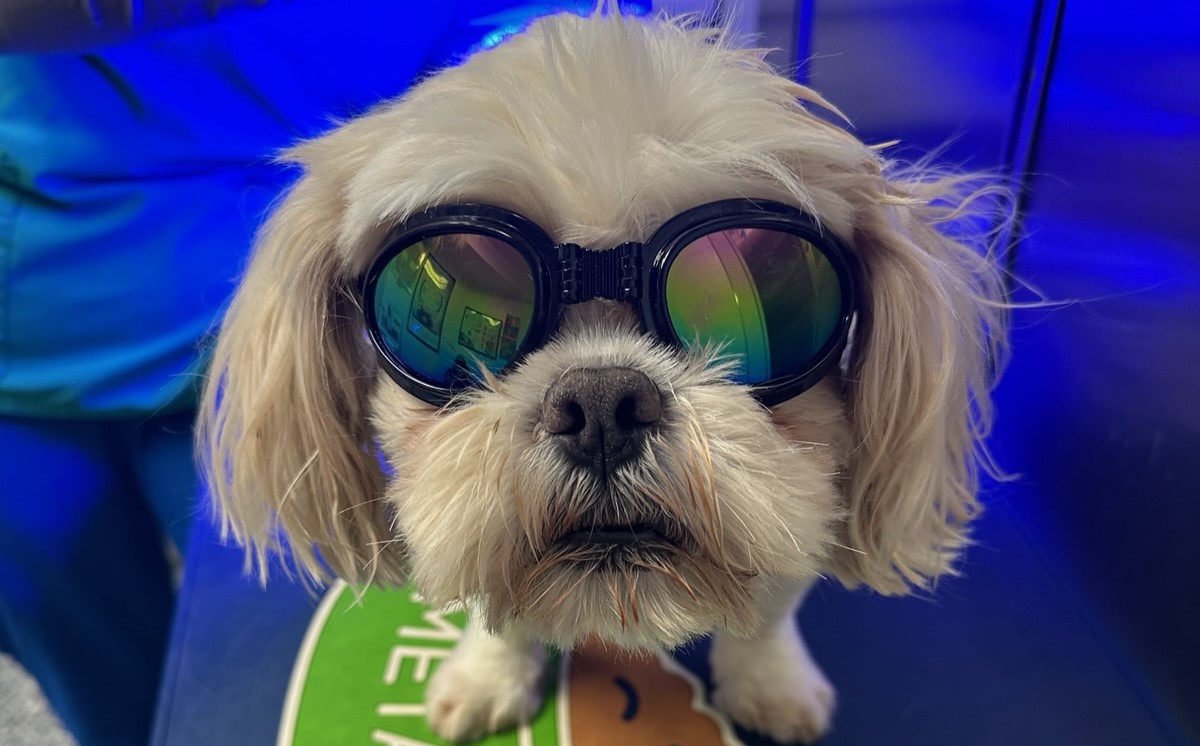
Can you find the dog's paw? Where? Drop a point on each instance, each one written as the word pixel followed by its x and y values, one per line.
pixel 773 687
pixel 798 709
pixel 483 690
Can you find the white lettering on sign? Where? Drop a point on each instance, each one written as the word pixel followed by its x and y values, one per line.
pixel 437 629
pixel 422 657
pixel 392 739
pixel 442 628
pixel 400 709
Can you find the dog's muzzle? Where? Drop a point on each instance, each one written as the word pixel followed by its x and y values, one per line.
pixel 600 417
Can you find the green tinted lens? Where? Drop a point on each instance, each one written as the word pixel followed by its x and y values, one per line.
pixel 449 303
pixel 768 298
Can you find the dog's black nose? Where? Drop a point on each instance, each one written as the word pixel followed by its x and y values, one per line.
pixel 601 415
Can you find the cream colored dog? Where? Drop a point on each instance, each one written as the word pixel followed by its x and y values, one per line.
pixel 598 130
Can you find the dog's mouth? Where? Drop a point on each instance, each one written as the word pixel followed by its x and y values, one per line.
pixel 597 538
pixel 634 535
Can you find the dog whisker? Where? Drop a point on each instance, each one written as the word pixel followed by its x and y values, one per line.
pixel 543 565
pixel 374 561
pixel 614 593
pixel 795 542
pixel 361 503
pixel 631 583
pixel 809 443
pixel 846 548
pixel 523 603
pixel 670 572
pixel 566 592
pixel 296 479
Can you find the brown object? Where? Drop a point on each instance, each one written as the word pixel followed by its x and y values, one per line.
pixel 617 697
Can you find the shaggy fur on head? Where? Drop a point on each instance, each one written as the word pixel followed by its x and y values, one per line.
pixel 600 129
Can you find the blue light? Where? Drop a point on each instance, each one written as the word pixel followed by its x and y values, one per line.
pixel 513 20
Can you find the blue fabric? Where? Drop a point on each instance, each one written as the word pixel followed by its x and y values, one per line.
pixel 132 180
pixel 85 588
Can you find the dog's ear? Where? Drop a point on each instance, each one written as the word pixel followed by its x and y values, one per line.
pixel 283 428
pixel 928 340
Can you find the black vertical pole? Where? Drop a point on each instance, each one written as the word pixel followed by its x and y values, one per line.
pixel 1024 134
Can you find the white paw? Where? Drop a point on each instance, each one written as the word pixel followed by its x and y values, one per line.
pixel 771 685
pixel 794 708
pixel 476 692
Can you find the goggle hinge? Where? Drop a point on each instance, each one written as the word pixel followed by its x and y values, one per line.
pixel 613 273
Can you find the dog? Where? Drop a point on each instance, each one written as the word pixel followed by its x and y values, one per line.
pixel 607 335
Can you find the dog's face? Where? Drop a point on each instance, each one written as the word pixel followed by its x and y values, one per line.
pixel 670 542
pixel 599 130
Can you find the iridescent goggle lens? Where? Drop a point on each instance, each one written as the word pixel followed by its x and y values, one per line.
pixel 445 305
pixel 770 299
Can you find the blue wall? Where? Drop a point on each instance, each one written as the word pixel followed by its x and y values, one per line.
pixel 1099 413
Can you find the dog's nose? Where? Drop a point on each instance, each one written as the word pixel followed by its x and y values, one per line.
pixel 601 415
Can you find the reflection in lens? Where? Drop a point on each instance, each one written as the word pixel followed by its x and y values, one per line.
pixel 447 304
pixel 769 299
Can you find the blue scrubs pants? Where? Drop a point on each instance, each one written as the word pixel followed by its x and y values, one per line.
pixel 86 508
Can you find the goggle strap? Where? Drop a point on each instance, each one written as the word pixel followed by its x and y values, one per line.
pixel 614 274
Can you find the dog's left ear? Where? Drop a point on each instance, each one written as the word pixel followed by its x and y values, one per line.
pixel 283 428
pixel 929 338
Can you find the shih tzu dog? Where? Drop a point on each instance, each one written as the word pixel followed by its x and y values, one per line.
pixel 606 335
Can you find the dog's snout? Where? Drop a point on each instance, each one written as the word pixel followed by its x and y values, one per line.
pixel 601 415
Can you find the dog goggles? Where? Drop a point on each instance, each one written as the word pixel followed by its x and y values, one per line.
pixel 464 285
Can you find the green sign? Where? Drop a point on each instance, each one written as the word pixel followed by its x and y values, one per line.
pixel 361 674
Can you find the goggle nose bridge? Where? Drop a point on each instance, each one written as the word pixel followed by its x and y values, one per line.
pixel 586 274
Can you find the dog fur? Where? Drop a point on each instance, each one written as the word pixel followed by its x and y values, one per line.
pixel 599 129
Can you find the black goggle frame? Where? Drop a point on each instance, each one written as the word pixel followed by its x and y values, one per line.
pixel 633 273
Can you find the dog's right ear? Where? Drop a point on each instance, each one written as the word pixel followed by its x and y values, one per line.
pixel 283 432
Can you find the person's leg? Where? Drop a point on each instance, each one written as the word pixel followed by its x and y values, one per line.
pixel 85 596
pixel 166 472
